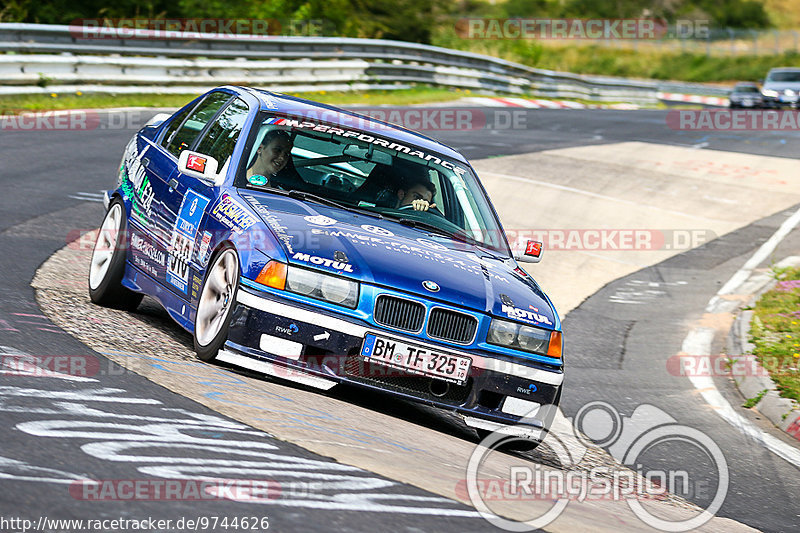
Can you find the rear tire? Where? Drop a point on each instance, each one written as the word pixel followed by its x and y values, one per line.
pixel 216 303
pixel 107 266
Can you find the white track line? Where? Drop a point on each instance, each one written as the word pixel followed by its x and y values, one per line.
pixel 698 342
pixel 760 255
pixel 594 195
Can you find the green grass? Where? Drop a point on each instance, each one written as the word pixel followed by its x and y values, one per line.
pixel 417 95
pixel 13 104
pixel 775 331
pixel 645 62
pixel 752 402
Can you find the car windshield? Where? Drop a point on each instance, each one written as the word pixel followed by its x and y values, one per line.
pixel 364 172
pixel 785 76
pixel 746 89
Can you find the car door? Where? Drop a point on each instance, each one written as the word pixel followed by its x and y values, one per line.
pixel 212 129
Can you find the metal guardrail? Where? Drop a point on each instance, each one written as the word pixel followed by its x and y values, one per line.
pixel 151 59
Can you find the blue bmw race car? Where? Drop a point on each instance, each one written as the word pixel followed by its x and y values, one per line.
pixel 324 247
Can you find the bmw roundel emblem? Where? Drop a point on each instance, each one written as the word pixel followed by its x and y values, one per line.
pixel 431 285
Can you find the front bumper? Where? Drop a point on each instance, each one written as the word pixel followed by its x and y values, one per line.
pixel 311 346
pixel 780 101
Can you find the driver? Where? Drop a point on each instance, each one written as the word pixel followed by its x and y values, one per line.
pixel 418 194
pixel 271 157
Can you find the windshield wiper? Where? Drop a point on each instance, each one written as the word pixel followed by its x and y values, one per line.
pixel 302 195
pixel 458 236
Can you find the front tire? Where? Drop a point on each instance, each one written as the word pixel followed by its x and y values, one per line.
pixel 107 266
pixel 214 308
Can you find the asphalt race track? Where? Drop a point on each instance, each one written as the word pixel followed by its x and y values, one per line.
pixel 60 429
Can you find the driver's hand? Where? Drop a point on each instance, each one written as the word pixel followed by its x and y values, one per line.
pixel 421 205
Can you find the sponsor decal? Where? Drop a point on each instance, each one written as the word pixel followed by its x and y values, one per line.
pixel 367 138
pixel 145 195
pixel 197 282
pixel 233 214
pixel 146 256
pixel 273 221
pixel 180 251
pixel 140 190
pixel 377 230
pixel 196 163
pixel 291 330
pixel 190 213
pixel 419 252
pixel 257 179
pixel 533 248
pixel 184 234
pixel 431 244
pixel 320 220
pixel 524 314
pixel 322 261
pixel 202 253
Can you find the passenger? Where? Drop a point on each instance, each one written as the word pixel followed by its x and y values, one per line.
pixel 418 194
pixel 271 157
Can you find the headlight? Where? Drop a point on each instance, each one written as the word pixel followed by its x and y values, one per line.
pixel 502 333
pixel 331 289
pixel 520 337
pixel 788 92
pixel 533 339
pixel 770 93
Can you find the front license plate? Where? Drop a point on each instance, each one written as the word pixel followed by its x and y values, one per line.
pixel 416 359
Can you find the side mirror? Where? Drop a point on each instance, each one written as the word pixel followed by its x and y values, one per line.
pixel 528 251
pixel 198 165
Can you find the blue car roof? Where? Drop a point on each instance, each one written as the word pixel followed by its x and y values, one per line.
pixel 300 106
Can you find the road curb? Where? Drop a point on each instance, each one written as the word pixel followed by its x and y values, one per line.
pixel 782 412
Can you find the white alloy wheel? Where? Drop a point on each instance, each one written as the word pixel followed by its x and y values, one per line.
pixel 216 298
pixel 105 246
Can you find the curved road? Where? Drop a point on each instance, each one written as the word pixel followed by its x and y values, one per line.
pixel 616 351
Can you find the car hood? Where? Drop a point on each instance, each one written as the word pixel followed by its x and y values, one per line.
pixel 781 85
pixel 389 254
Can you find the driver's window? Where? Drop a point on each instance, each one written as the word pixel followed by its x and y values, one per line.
pixel 185 136
pixel 220 139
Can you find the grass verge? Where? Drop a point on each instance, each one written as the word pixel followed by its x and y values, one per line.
pixel 13 104
pixel 650 63
pixel 775 331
